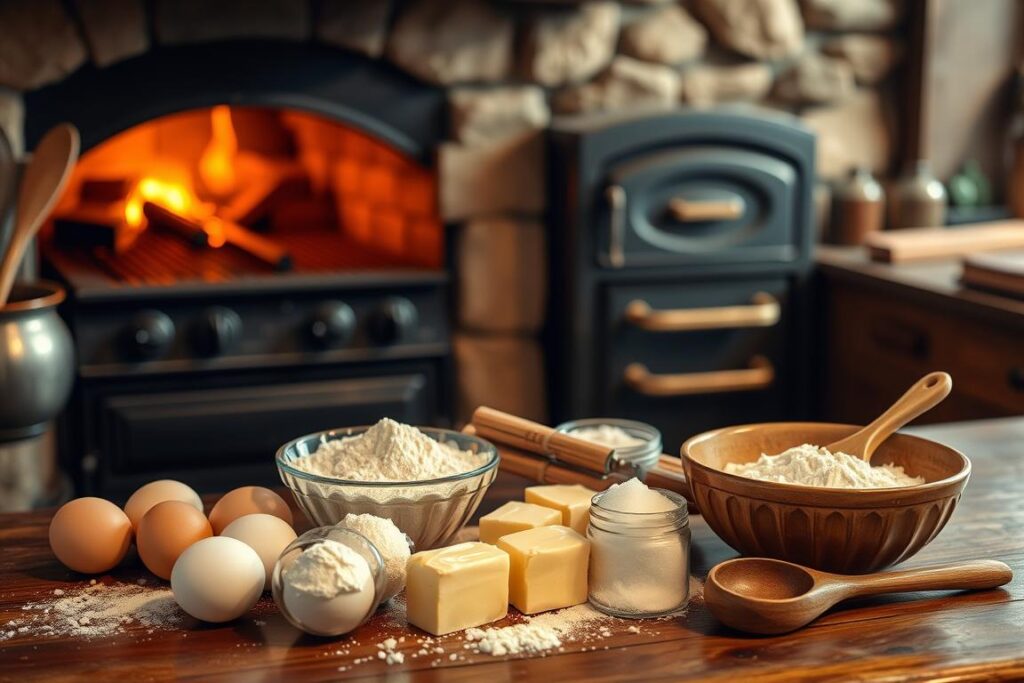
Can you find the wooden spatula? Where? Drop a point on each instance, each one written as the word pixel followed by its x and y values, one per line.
pixel 924 395
pixel 41 186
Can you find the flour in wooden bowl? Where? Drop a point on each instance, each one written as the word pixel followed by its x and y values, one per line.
pixel 809 465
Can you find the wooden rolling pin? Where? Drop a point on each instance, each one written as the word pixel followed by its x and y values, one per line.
pixel 533 437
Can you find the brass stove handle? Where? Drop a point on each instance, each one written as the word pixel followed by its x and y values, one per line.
pixel 691 210
pixel 763 311
pixel 759 375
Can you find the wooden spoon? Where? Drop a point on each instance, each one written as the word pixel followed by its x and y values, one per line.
pixel 925 394
pixel 760 595
pixel 41 186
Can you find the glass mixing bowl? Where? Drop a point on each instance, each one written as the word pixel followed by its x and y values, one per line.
pixel 429 512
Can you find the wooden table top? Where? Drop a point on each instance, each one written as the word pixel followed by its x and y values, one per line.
pixel 956 636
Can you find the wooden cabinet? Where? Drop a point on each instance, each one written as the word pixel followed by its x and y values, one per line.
pixel 883 333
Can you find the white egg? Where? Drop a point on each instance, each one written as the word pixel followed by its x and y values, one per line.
pixel 217 579
pixel 266 534
pixel 332 616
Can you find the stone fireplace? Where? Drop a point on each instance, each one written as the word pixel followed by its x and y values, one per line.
pixel 505 68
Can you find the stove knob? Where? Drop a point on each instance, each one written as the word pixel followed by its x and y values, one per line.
pixel 393 321
pixel 333 324
pixel 218 331
pixel 149 335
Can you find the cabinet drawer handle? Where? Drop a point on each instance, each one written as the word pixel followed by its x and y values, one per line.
pixel 616 226
pixel 763 311
pixel 691 211
pixel 759 375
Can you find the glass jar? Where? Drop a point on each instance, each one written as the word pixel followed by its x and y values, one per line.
pixel 639 561
pixel 641 457
pixel 341 614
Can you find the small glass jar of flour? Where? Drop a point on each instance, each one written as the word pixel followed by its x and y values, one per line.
pixel 636 444
pixel 329 581
pixel 640 551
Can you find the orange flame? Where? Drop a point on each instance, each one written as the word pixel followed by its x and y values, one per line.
pixel 217 164
pixel 171 195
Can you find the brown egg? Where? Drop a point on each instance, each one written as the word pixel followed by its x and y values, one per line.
pixel 166 531
pixel 248 500
pixel 157 492
pixel 90 535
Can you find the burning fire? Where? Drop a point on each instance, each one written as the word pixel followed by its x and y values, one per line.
pixel 217 164
pixel 173 196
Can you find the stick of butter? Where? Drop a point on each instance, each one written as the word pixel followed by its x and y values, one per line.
pixel 514 516
pixel 454 588
pixel 549 568
pixel 572 501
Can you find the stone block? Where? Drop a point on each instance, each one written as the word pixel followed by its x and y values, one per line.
pixel 201 21
pixel 667 34
pixel 707 85
pixel 763 29
pixel 502 271
pixel 871 57
pixel 479 180
pixel 853 133
pixel 853 15
pixel 815 79
pixel 359 26
pixel 114 29
pixel 570 44
pixel 39 44
pixel 503 372
pixel 481 116
pixel 626 83
pixel 453 41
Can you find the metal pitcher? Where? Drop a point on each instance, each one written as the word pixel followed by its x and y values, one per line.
pixel 37 360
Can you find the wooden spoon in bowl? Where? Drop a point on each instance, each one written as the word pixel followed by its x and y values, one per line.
pixel 760 595
pixel 41 185
pixel 925 394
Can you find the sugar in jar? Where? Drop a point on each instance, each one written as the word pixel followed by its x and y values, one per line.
pixel 640 551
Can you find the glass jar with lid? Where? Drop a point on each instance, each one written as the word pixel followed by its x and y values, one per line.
pixel 637 444
pixel 639 561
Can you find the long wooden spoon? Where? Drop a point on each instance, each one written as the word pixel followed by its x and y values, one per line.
pixel 760 595
pixel 925 394
pixel 41 186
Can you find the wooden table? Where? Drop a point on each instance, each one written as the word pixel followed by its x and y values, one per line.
pixel 952 636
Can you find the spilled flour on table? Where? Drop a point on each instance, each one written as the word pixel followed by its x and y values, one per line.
pixel 96 610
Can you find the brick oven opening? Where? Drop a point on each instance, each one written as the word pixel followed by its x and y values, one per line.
pixel 223 192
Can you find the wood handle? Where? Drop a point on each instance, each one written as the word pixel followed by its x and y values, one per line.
pixel 691 210
pixel 763 311
pixel 527 435
pixel 974 575
pixel 923 395
pixel 541 470
pixel 759 375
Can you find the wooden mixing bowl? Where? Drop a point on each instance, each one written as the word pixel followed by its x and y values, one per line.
pixel 851 531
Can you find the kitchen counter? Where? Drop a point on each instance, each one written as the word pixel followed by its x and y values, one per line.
pixel 943 634
pixel 934 282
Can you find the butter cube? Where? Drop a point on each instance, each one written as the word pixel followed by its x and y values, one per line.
pixel 454 588
pixel 514 516
pixel 572 501
pixel 549 568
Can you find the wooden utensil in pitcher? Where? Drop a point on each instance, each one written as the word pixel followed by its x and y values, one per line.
pixel 761 595
pixel 41 185
pixel 924 395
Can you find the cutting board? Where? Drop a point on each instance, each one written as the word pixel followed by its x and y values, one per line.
pixel 919 244
pixel 999 271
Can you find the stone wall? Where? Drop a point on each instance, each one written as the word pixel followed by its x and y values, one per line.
pixel 508 66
